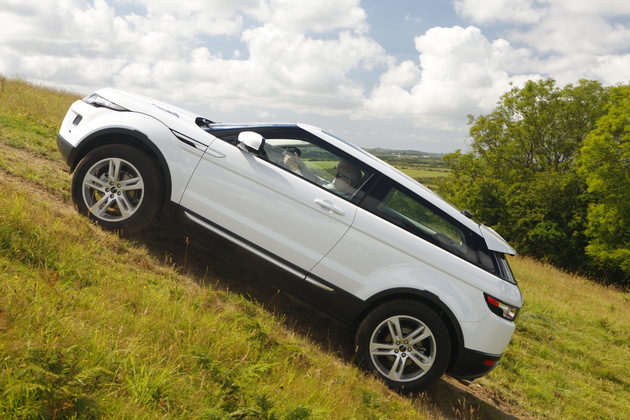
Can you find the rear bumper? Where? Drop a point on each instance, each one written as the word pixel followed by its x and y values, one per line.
pixel 471 364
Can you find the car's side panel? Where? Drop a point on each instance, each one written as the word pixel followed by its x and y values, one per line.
pixel 373 258
pixel 266 205
pixel 225 244
pixel 97 126
pixel 181 157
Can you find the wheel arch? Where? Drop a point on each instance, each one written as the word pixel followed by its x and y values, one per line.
pixel 427 298
pixel 130 137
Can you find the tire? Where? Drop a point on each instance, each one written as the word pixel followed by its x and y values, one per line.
pixel 405 343
pixel 119 187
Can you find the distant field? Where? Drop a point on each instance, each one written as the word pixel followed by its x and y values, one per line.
pixel 422 167
pixel 422 170
pixel 426 176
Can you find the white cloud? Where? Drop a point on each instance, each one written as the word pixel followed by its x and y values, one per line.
pixel 459 71
pixel 568 34
pixel 612 69
pixel 512 11
pixel 556 26
pixel 158 42
pixel 284 70
pixel 282 57
pixel 533 11
pixel 317 16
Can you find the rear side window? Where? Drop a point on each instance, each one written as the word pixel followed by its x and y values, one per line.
pixel 411 212
pixel 418 217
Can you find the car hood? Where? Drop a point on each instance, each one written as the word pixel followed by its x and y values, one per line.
pixel 138 103
pixel 495 242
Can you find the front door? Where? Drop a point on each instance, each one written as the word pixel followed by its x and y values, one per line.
pixel 288 215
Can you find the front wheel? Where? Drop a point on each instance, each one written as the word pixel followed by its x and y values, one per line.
pixel 405 343
pixel 119 187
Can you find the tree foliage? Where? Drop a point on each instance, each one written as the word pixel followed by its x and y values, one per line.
pixel 521 173
pixel 605 164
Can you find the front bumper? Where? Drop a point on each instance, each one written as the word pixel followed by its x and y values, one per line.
pixel 65 148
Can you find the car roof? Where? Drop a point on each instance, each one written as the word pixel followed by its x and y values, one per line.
pixel 175 113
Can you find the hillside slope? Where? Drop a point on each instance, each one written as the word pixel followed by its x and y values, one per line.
pixel 95 325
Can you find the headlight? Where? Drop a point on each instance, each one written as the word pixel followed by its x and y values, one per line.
pixel 501 309
pixel 98 101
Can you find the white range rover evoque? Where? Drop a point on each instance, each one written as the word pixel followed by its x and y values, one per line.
pixel 427 289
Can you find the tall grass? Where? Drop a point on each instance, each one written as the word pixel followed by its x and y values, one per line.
pixel 91 326
pixel 569 355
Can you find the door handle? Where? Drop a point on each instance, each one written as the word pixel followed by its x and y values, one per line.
pixel 330 206
pixel 215 153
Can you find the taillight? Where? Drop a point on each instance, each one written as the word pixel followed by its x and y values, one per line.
pixel 501 309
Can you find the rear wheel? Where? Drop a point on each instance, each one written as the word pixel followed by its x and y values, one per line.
pixel 119 187
pixel 405 343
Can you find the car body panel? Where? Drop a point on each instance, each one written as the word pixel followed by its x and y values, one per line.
pixel 267 205
pixel 370 260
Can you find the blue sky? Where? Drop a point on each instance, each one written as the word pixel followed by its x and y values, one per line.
pixel 394 24
pixel 401 74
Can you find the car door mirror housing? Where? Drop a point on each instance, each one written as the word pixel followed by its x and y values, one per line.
pixel 251 142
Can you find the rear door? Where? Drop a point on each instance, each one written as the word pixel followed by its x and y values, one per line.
pixel 292 218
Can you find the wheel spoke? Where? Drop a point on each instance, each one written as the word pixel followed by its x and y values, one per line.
pixel 124 206
pixel 131 184
pixel 394 329
pixel 420 334
pixel 396 371
pixel 422 361
pixel 93 182
pixel 114 169
pixel 101 206
pixel 382 349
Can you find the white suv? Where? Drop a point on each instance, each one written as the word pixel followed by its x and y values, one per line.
pixel 427 288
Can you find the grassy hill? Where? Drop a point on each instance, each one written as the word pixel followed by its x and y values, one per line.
pixel 97 326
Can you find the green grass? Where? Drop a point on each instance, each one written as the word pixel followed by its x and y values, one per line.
pixel 424 173
pixel 569 356
pixel 94 326
pixel 427 177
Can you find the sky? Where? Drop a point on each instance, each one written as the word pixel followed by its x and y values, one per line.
pixel 398 74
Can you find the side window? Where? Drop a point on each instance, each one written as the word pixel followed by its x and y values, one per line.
pixel 316 164
pixel 412 214
pixel 307 156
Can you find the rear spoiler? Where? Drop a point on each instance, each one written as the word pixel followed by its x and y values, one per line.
pixel 495 242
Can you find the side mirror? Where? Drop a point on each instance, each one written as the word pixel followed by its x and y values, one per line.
pixel 251 142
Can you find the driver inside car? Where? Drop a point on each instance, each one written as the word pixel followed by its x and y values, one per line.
pixel 347 176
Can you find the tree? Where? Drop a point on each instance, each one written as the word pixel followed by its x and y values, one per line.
pixel 605 164
pixel 520 176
